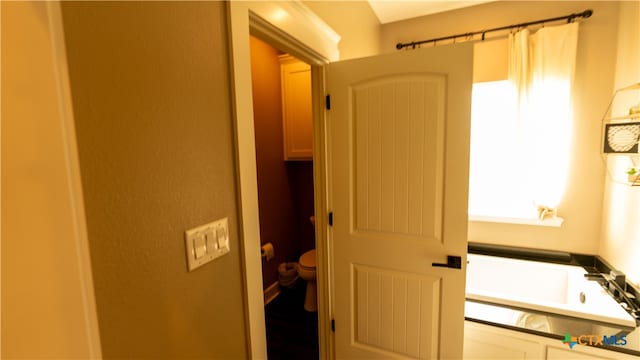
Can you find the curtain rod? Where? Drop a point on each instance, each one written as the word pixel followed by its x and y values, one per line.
pixel 570 18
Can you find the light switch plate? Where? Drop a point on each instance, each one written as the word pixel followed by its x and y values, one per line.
pixel 207 242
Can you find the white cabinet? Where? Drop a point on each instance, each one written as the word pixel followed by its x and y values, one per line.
pixel 555 352
pixel 492 342
pixel 296 108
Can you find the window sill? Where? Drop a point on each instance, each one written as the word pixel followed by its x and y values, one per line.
pixel 555 222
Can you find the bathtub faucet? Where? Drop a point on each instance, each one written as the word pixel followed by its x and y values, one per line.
pixel 615 284
pixel 599 277
pixel 619 278
pixel 615 276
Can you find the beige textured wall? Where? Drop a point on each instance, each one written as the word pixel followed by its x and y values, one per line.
pixel 620 242
pixel 48 309
pixel 355 21
pixel 582 204
pixel 151 97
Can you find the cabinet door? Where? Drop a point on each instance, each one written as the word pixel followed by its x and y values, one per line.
pixel 555 352
pixel 296 109
pixel 490 342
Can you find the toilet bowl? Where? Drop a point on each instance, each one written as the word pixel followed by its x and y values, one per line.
pixel 307 271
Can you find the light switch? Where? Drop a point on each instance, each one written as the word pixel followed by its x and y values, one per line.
pixel 222 238
pixel 211 239
pixel 207 242
pixel 200 246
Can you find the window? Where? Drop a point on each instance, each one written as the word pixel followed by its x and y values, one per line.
pixel 521 130
pixel 508 172
pixel 495 181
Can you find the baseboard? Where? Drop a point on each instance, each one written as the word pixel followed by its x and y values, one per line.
pixel 271 292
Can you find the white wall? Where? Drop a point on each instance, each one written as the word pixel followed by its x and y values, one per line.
pixel 620 239
pixel 48 308
pixel 582 205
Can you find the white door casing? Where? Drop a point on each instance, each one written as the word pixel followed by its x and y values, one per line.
pixel 295 28
pixel 48 299
pixel 398 141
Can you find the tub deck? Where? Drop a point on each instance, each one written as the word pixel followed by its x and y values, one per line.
pixel 542 287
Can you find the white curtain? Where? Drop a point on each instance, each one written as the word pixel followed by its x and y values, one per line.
pixel 541 68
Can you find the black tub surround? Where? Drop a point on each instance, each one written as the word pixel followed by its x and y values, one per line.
pixel 598 270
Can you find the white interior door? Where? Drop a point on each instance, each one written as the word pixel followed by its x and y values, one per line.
pixel 398 161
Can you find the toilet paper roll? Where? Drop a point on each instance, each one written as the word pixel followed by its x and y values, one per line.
pixel 267 251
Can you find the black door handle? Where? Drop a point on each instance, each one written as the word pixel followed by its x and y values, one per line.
pixel 453 262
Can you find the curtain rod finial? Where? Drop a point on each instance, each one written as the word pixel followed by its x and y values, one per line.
pixel 587 13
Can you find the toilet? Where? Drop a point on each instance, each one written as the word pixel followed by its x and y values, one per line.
pixel 307 271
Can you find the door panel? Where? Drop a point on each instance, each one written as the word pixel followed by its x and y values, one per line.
pixel 386 302
pixel 398 135
pixel 398 143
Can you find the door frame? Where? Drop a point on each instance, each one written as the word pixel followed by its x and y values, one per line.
pixel 292 27
pixel 78 333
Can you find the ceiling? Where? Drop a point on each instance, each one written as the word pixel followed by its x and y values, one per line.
pixel 389 11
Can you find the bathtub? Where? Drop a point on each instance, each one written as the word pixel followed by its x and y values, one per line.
pixel 543 287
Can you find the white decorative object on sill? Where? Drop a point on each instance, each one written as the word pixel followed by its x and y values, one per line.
pixel 545 212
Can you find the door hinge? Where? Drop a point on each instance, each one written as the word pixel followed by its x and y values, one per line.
pixel 330 218
pixel 327 102
pixel 333 325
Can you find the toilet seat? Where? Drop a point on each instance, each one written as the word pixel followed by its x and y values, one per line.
pixel 308 260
